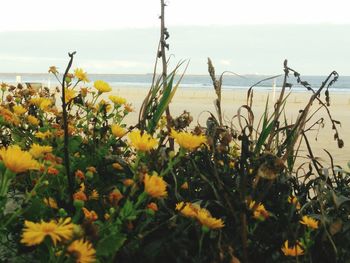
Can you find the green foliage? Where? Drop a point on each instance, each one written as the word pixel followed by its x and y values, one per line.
pixel 239 195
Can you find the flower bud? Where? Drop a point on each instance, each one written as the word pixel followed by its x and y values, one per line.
pixel 78 204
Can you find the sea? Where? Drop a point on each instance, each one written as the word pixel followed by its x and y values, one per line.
pixel 231 82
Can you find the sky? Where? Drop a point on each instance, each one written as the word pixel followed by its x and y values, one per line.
pixel 118 36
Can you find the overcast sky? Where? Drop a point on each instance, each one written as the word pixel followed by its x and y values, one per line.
pixel 118 36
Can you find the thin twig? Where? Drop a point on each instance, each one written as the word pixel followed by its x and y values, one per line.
pixel 65 128
pixel 163 36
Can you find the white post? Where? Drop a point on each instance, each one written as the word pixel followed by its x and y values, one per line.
pixel 18 79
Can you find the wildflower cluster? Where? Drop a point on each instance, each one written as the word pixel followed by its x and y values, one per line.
pixel 161 189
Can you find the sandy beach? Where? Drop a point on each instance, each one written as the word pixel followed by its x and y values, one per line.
pixel 199 101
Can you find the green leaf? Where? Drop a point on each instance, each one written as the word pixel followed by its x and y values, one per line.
pixel 127 212
pixel 263 136
pixel 163 104
pixel 74 144
pixel 110 244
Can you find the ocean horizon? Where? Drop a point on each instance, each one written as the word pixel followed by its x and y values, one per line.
pixel 230 81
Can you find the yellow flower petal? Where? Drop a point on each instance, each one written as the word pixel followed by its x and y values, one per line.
pixel 155 186
pixel 18 161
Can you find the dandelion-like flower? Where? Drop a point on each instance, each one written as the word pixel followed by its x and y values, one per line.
pixel 9 116
pixel 187 209
pixel 187 140
pixel 36 101
pixel 117 100
pixel 117 166
pixel 82 251
pixel 34 233
pixel 18 161
pixel 53 70
pixel 90 215
pixel 80 195
pixel 102 86
pixel 205 218
pixel 19 110
pixel 118 131
pixel 43 135
pixel 293 251
pixel 201 214
pixel 115 196
pixel 153 206
pixel 128 107
pixel 81 75
pixel 294 200
pixel 50 202
pixel 45 104
pixel 33 120
pixel 143 142
pixel 94 195
pixel 309 222
pixel 128 182
pixel 69 94
pixel 260 212
pixel 38 151
pixel 155 186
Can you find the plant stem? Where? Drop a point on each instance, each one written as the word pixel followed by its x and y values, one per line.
pixel 65 128
pixel 165 66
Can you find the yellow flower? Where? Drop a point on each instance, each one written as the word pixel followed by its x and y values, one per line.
pixel 3 86
pixel 81 75
pixel 128 107
pixel 69 94
pixel 45 104
pixel 117 166
pixel 115 196
pixel 107 216
pixel 43 135
pixel 32 120
pixel 91 169
pixel 102 86
pixel 187 209
pixel 53 70
pixel 184 186
pixel 36 101
pixel 294 251
pixel 38 151
pixel 50 202
pixel 34 233
pixel 8 116
pixel 309 222
pixel 155 186
pixel 187 140
pixel 201 214
pixel 82 251
pixel 294 200
pixel 205 218
pixel 260 212
pixel 118 131
pixel 153 206
pixel 117 100
pixel 19 110
pixel 143 142
pixel 82 186
pixel 94 195
pixel 90 215
pixel 128 182
pixel 18 161
pixel 103 105
pixel 80 195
